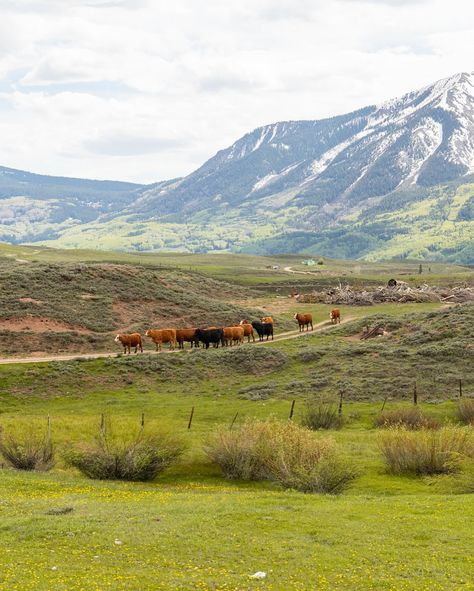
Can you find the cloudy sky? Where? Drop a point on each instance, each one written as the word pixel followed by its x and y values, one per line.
pixel 146 90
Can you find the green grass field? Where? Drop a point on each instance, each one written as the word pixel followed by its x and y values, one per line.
pixel 192 529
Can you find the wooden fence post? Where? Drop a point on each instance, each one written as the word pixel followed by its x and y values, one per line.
pixel 142 422
pixel 460 388
pixel 102 425
pixel 384 403
pixel 292 409
pixel 191 418
pixel 341 396
pixel 415 395
pixel 49 428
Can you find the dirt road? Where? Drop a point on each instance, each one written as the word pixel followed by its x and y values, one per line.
pixel 284 336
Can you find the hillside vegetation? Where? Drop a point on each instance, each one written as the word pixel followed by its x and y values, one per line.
pixel 433 349
pixel 55 307
pixel 162 534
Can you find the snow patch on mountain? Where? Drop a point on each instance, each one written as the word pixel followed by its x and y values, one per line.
pixel 272 177
pixel 426 139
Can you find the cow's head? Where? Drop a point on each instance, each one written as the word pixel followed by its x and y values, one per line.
pixel 147 334
pixel 117 339
pixel 295 317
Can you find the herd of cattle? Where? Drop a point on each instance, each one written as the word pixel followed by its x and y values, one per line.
pixel 226 336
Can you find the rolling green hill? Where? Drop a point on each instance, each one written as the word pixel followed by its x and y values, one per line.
pixel 426 224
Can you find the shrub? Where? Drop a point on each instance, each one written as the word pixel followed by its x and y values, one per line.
pixel 139 459
pixel 309 355
pixel 241 453
pixel 28 453
pixel 322 416
pixel 409 417
pixel 258 391
pixel 285 453
pixel 465 411
pixel 426 451
pixel 308 464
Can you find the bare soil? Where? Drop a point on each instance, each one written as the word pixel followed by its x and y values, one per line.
pixel 39 324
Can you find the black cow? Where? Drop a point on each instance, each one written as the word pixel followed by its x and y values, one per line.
pixel 263 329
pixel 210 335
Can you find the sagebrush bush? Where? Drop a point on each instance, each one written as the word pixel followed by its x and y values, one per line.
pixel 465 411
pixel 139 459
pixel 322 416
pixel 426 451
pixel 307 463
pixel 241 452
pixel 30 452
pixel 410 417
pixel 285 453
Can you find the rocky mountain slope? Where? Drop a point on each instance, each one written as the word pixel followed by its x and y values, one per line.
pixel 334 165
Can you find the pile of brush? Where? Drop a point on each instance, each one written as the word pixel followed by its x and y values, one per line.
pixel 394 291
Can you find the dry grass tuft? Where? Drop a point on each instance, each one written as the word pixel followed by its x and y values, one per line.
pixel 426 451
pixel 409 417
pixel 285 453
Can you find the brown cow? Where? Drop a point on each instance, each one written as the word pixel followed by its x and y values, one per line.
pixel 163 335
pixel 188 335
pixel 267 320
pixel 233 334
pixel 130 340
pixel 238 334
pixel 248 329
pixel 335 316
pixel 304 320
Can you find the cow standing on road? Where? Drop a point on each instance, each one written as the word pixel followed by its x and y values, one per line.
pixel 163 335
pixel 210 335
pixel 304 320
pixel 130 340
pixel 263 329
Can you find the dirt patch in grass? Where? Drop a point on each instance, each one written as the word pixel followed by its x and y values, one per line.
pixel 39 324
pixel 30 301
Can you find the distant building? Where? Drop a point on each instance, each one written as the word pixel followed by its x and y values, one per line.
pixel 309 262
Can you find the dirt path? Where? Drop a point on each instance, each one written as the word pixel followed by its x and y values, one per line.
pixel 284 336
pixel 290 270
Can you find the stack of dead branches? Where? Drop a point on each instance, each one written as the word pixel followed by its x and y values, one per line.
pixel 401 292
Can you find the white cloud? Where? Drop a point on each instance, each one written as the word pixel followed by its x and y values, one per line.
pixel 146 90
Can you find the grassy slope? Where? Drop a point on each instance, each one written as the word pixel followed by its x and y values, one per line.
pixel 95 294
pixel 387 532
pixel 170 537
pixel 251 270
pixel 88 302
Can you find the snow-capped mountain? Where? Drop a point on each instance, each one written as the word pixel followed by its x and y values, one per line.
pixel 334 165
pixel 390 180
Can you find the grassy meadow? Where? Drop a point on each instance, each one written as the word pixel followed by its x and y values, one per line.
pixel 191 528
